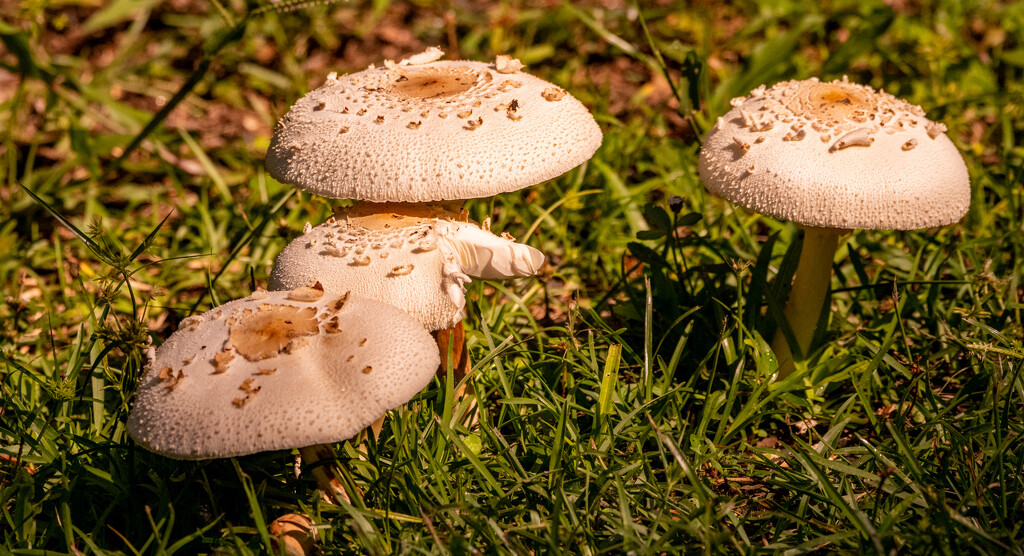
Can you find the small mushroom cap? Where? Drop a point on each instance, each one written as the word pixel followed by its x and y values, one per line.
pixel 415 257
pixel 268 373
pixel 428 132
pixel 835 155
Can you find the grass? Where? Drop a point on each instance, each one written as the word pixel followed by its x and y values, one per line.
pixel 626 397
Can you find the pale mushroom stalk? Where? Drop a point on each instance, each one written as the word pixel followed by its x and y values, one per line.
pixel 321 459
pixel 808 294
pixel 453 340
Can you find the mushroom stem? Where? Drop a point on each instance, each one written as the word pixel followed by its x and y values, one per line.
pixel 453 340
pixel 377 426
pixel 323 463
pixel 808 296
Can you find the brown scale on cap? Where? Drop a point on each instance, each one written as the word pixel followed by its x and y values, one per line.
pixel 402 270
pixel 169 379
pixel 248 388
pixel 510 111
pixel 507 64
pixel 307 293
pixel 268 330
pixel 553 94
pixel 221 361
pixel 332 326
pixel 509 84
pixel 339 303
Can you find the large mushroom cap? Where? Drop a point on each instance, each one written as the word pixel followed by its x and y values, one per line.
pixel 415 257
pixel 835 155
pixel 429 132
pixel 279 370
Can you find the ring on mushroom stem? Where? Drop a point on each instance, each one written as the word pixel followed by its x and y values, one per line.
pixel 831 156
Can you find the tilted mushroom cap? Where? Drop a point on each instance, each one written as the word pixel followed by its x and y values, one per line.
pixel 432 131
pixel 415 257
pixel 835 155
pixel 279 370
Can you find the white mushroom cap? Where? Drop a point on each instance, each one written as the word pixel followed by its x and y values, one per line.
pixel 434 131
pixel 835 155
pixel 279 370
pixel 415 257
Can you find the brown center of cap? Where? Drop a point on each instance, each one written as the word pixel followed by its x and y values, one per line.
pixel 831 102
pixel 264 333
pixel 435 82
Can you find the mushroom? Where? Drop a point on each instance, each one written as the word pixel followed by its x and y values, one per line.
pixel 292 535
pixel 419 132
pixel 832 157
pixel 351 138
pixel 278 370
pixel 415 257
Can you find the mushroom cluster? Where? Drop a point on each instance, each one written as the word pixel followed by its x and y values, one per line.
pixel 344 335
pixel 832 156
pixel 409 142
